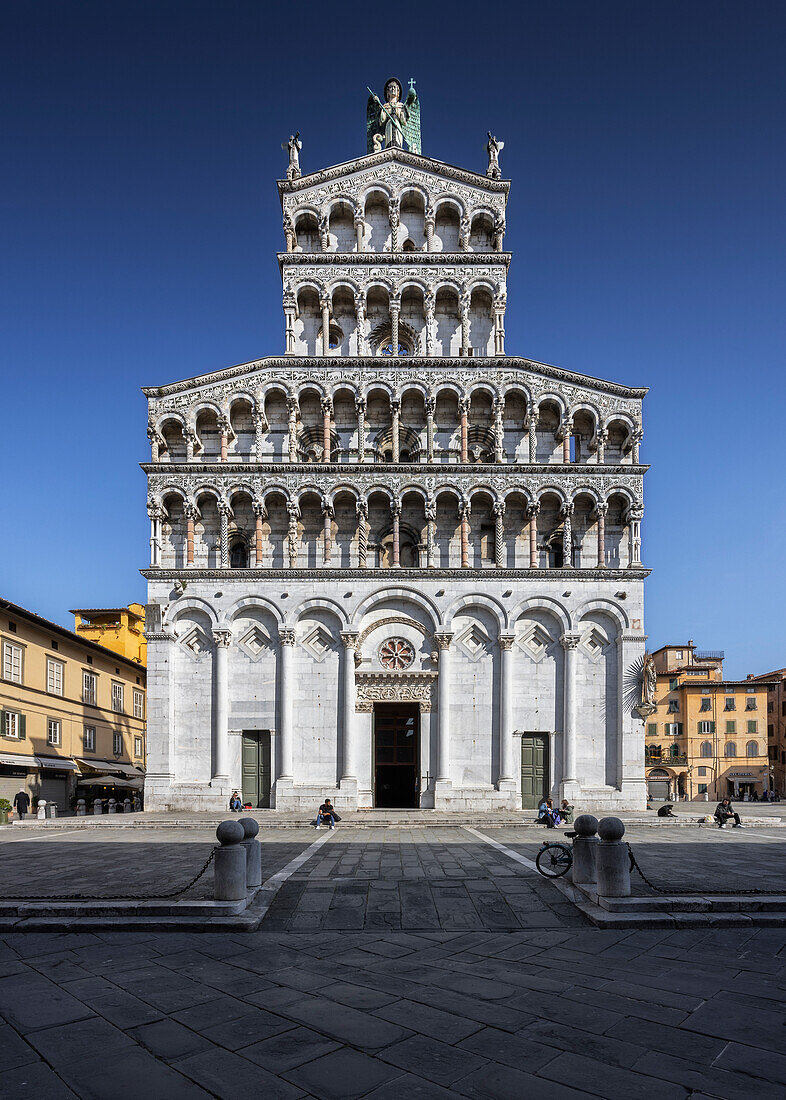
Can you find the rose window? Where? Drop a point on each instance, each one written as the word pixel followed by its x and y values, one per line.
pixel 396 653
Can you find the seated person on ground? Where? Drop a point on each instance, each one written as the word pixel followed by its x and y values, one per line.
pixel 548 815
pixel 666 810
pixel 327 814
pixel 724 811
pixel 566 811
pixel 235 803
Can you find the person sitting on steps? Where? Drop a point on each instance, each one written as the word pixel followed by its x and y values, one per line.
pixel 723 811
pixel 326 812
pixel 667 810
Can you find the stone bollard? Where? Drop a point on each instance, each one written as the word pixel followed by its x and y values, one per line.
pixel 229 863
pixel 585 847
pixel 41 815
pixel 98 806
pixel 51 809
pixel 613 860
pixel 81 807
pixel 253 852
pixel 111 806
pixel 127 806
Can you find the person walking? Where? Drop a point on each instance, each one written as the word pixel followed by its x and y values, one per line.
pixel 22 804
pixel 724 811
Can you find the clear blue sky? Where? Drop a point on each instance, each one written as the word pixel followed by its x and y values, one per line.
pixel 140 221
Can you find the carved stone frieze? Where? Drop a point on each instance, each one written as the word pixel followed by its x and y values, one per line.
pixel 394 687
pixel 228 575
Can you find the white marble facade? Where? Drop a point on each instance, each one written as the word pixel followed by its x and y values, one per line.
pixel 394 522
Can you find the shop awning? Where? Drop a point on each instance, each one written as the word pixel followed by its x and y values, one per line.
pixel 110 767
pixel 15 760
pixel 57 763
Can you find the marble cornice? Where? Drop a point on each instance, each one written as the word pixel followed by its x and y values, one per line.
pixel 384 469
pixel 368 259
pixel 391 575
pixel 489 366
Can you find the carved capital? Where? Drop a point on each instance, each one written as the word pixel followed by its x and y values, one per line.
pixel 350 639
pixel 506 641
pixel 570 641
pixel 222 638
pixel 443 641
pixel 499 509
pixel 463 406
pixel 259 508
pixel 327 406
pixel 286 636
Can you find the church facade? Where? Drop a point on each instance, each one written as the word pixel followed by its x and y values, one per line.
pixel 394 565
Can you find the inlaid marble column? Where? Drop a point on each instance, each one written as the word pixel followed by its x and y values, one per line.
pixel 224 512
pixel 429 307
pixel 360 408
pixel 532 427
pixel 349 753
pixel 635 516
pixel 395 431
pixel 431 408
pixel 443 732
pixel 189 511
pixel 293 515
pixel 507 778
pixel 499 429
pixel 260 512
pixel 463 406
pixel 155 440
pixel 395 313
pixel 220 769
pixel 223 427
pixel 290 315
pixel 533 511
pixel 600 511
pixel 292 413
pixel 360 323
pixel 327 513
pixel 499 534
pixel 464 510
pixel 429 224
pixel 327 413
pixel 287 689
pixel 395 511
pixel 155 513
pixel 324 302
pixel 602 439
pixel 360 229
pixel 570 644
pixel 431 525
pixel 567 536
pixel 260 427
pixel 289 234
pixel 567 430
pixel 362 512
pixel 499 324
pixel 636 439
pixel 464 302
pixel 324 232
pixel 394 212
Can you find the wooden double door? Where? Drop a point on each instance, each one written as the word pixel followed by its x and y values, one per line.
pixel 256 768
pixel 397 755
pixel 535 780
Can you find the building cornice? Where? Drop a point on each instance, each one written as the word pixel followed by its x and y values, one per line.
pixel 319 365
pixel 389 575
pixel 383 470
pixel 369 259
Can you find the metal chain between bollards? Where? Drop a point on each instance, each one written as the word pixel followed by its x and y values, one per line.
pixel 695 891
pixel 113 897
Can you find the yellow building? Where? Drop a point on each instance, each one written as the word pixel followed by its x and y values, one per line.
pixel 70 710
pixel 121 629
pixel 708 735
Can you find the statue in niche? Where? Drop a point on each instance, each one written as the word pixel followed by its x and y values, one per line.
pixel 649 678
pixel 494 148
pixel 394 122
pixel 294 145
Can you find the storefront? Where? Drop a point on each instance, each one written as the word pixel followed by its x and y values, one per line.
pixel 52 778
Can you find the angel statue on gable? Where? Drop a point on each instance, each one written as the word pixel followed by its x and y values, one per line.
pixel 395 121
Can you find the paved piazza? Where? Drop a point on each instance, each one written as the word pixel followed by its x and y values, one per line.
pixel 394 962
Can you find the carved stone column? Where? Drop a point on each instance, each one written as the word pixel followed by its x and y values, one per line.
pixel 499 232
pixel 443 733
pixel 464 232
pixel 324 302
pixel 635 516
pixel 292 413
pixel 261 515
pixel 464 510
pixel 532 427
pixel 499 534
pixel 223 427
pixel 189 511
pixel 223 546
pixel 600 511
pixel 500 302
pixel 395 511
pixel 507 779
pixel 360 408
pixel 327 413
pixel 463 407
pixel 192 441
pixel 429 306
pixel 260 427
pixel 395 411
pixel 431 408
pixel 327 513
pixel 395 313
pixel 636 439
pixel 324 232
pixel 429 224
pixel 431 524
pixel 293 515
pixel 499 430
pixel 360 229
pixel 602 439
pixel 220 769
pixel 394 210
pixel 464 302
pixel 155 513
pixel 289 234
pixel 570 644
pixel 362 512
pixel 290 314
pixel 360 319
pixel 155 440
pixel 566 430
pixel 533 510
pixel 567 536
pixel 349 768
pixel 287 689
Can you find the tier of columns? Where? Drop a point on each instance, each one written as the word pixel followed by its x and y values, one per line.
pixel 429 310
pixel 633 521
pixel 349 742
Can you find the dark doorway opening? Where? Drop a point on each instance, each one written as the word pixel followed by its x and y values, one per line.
pixel 396 755
pixel 256 768
pixel 534 769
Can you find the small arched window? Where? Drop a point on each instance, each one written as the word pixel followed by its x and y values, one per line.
pixel 675 750
pixel 730 750
pixel 752 748
pixel 706 749
pixel 238 555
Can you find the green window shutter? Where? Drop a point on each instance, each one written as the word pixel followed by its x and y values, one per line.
pixel 679 729
pixel 22 726
pixel 2 723
pixel 652 729
pixel 731 727
pixel 751 727
pixel 712 727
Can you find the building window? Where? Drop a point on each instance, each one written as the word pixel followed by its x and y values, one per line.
pixel 706 727
pixel 54 645
pixel 12 628
pixel 674 706
pixel 730 750
pixel 117 744
pixel 678 654
pixel 752 748
pixel 770 731
pixel 54 677
pixel 731 727
pixel 706 750
pixel 753 727
pixel 702 788
pixel 702 771
pixel 89 687
pixel 53 731
pixel 652 729
pixel 117 697
pixel 674 684
pixel 139 704
pixel 673 729
pixel 730 705
pixel 12 662
pixel 770 708
pixel 89 739
pixel 13 725
pixel 706 704
pixel 138 747
pixel 750 704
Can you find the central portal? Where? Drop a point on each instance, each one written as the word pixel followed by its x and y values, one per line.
pixel 396 755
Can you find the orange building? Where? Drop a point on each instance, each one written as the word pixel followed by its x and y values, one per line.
pixel 121 629
pixel 776 723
